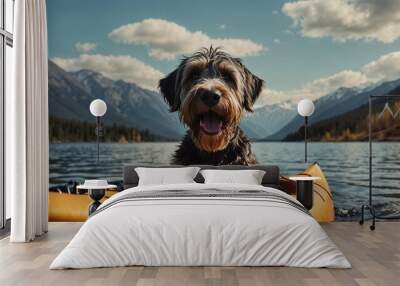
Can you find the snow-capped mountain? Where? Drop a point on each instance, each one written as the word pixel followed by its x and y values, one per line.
pixel 266 120
pixel 336 103
pixel 70 94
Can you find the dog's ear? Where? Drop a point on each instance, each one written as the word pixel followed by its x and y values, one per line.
pixel 168 88
pixel 253 89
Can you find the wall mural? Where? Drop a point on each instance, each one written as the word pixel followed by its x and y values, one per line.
pixel 218 82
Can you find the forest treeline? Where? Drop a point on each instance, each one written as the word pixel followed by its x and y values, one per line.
pixel 64 130
pixel 353 126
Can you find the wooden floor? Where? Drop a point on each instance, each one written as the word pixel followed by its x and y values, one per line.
pixel 375 257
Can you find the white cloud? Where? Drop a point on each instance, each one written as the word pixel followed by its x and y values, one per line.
pixel 271 96
pixel 85 47
pixel 314 89
pixel 166 40
pixel 277 41
pixel 387 67
pixel 115 67
pixel 346 19
pixel 346 78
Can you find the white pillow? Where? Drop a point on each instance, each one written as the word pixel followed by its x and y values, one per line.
pixel 248 177
pixel 166 176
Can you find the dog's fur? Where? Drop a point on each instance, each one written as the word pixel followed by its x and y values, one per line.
pixel 212 84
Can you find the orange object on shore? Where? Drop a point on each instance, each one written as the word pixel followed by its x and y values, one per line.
pixel 323 207
pixel 71 207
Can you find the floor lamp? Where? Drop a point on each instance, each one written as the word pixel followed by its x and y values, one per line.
pixel 305 108
pixel 98 108
pixel 370 206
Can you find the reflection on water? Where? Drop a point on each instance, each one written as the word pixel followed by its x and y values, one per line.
pixel 345 165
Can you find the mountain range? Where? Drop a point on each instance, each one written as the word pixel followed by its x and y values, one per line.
pixel 70 94
pixel 266 120
pixel 130 105
pixel 354 125
pixel 335 104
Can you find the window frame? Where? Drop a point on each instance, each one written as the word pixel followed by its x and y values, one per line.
pixel 6 39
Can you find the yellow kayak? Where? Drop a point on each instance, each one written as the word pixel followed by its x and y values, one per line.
pixel 323 207
pixel 70 207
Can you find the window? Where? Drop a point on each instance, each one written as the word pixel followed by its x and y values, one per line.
pixel 6 44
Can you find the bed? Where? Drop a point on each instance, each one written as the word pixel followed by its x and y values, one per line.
pixel 197 224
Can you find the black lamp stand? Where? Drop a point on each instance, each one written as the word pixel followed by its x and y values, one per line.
pixel 370 206
pixel 99 133
pixel 305 137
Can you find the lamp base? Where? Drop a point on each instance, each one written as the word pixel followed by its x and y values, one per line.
pixel 96 195
pixel 305 193
pixel 371 209
pixel 374 216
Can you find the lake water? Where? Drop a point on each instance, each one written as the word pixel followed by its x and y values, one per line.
pixel 344 164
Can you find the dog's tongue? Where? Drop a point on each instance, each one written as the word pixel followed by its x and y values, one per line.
pixel 211 123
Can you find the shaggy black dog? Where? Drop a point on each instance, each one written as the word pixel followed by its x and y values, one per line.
pixel 211 91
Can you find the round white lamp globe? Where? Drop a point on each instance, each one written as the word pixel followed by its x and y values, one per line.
pixel 98 107
pixel 305 107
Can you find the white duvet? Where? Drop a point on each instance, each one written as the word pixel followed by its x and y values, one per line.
pixel 203 231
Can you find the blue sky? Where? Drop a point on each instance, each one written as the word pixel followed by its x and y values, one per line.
pixel 295 60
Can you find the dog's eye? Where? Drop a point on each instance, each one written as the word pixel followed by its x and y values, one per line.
pixel 228 77
pixel 195 75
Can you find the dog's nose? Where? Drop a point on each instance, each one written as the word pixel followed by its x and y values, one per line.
pixel 209 97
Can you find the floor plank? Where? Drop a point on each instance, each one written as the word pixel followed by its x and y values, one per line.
pixel 375 257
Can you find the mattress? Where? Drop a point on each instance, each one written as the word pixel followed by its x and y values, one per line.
pixel 201 225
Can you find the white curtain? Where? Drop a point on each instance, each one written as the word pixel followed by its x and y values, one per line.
pixel 27 160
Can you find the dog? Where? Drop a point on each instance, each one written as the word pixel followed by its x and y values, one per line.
pixel 211 90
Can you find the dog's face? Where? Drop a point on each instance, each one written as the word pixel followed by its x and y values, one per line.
pixel 211 90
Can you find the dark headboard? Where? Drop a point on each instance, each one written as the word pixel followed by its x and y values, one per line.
pixel 271 177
